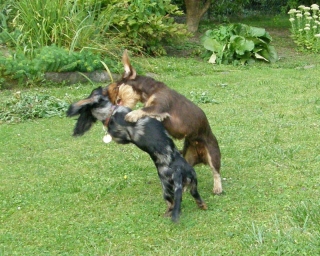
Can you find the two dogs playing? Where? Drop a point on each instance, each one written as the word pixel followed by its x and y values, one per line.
pixel 164 111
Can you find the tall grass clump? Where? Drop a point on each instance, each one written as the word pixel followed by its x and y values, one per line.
pixel 305 27
pixel 69 24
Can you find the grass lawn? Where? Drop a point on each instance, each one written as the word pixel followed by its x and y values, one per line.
pixel 61 195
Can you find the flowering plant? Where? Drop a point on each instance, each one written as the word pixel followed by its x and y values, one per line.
pixel 305 27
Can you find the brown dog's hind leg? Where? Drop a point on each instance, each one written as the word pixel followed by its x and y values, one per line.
pixel 196 152
pixel 190 153
pixel 212 158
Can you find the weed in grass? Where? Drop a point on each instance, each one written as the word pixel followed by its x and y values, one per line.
pixel 306 214
pixel 201 97
pixel 23 106
pixel 257 233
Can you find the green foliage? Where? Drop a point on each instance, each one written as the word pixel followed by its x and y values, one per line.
pixel 52 59
pixel 141 24
pixel 146 24
pixel 238 43
pixel 24 106
pixel 305 27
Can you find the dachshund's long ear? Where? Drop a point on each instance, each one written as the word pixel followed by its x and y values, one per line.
pixel 84 122
pixel 129 72
pixel 76 108
pixel 83 108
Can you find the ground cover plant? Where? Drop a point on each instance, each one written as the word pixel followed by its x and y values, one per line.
pixel 78 196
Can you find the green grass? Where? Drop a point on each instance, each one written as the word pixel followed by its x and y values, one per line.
pixel 77 196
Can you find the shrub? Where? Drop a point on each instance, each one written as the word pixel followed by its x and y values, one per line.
pixel 305 27
pixel 238 43
pixel 52 59
pixel 145 23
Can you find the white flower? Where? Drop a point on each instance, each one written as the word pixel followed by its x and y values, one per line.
pixel 307 14
pixel 317 35
pixel 314 7
pixel 315 16
pixel 306 8
pixel 299 15
pixel 307 25
pixel 300 30
pixel 292 11
pixel 309 18
pixel 291 19
pixel 314 27
pixel 301 6
pixel 306 28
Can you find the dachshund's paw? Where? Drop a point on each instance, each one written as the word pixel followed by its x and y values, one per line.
pixel 202 205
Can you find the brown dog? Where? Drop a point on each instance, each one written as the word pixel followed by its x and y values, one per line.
pixel 181 118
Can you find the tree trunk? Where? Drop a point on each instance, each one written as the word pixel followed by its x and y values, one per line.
pixel 195 10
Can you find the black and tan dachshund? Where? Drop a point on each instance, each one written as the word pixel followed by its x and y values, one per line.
pixel 149 135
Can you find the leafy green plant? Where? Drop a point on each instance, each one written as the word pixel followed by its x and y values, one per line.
pixel 238 43
pixel 305 27
pixel 145 23
pixel 23 106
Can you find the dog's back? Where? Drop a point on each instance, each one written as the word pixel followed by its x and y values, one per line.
pixel 186 118
pixel 147 133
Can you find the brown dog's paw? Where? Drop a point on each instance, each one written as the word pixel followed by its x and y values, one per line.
pixel 160 117
pixel 217 186
pixel 134 116
pixel 217 191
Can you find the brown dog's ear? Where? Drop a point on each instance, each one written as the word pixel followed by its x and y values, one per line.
pixel 112 92
pixel 129 71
